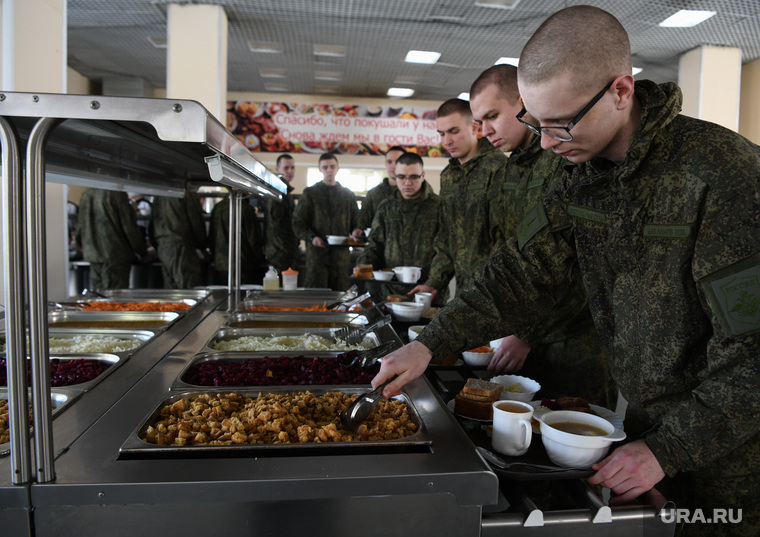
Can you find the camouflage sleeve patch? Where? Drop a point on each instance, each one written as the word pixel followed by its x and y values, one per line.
pixel 533 222
pixel 734 295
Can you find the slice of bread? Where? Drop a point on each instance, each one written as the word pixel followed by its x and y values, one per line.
pixel 483 388
pixel 473 409
pixel 475 397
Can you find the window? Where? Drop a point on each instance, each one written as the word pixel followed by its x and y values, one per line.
pixel 358 180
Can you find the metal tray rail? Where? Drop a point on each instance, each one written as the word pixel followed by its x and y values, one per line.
pixel 226 334
pixel 156 321
pixel 60 398
pixel 156 294
pixel 270 319
pixel 143 336
pixel 300 294
pixel 290 302
pixel 135 447
pixel 215 356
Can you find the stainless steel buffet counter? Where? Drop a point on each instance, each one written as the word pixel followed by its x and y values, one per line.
pixel 438 486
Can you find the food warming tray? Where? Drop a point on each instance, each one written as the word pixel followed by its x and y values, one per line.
pixel 226 334
pixel 143 336
pixel 60 398
pixel 126 300
pixel 232 356
pixel 173 295
pixel 290 319
pixel 134 447
pixel 154 320
pixel 304 294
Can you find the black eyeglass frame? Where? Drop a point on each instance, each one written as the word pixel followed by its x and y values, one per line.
pixel 540 130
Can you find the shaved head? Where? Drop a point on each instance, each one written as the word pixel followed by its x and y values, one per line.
pixel 503 77
pixel 585 42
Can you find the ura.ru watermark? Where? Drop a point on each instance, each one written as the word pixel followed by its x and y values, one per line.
pixel 698 516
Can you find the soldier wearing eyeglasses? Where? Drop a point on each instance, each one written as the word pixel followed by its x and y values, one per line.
pixel 659 212
pixel 405 224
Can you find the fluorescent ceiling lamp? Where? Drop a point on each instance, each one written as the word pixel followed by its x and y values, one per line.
pixel 266 47
pixel 334 76
pixel 501 4
pixel 400 92
pixel 273 73
pixel 506 60
pixel 464 96
pixel 276 87
pixel 686 18
pixel 422 56
pixel 158 42
pixel 335 51
pixel 325 89
pixel 636 70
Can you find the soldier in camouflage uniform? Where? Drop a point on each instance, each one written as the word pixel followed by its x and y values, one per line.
pixel 109 237
pixel 660 215
pixel 405 224
pixel 281 246
pixel 180 231
pixel 565 349
pixel 326 208
pixel 251 250
pixel 465 241
pixel 384 190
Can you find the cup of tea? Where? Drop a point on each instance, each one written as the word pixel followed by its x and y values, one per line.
pixel 512 432
pixel 424 298
pixel 408 274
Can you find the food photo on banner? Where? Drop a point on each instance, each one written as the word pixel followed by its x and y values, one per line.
pixel 342 129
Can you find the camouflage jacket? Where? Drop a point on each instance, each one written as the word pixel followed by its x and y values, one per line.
pixel 281 240
pixel 325 210
pixel 527 179
pixel 668 248
pixel 107 230
pixel 251 252
pixel 372 201
pixel 180 220
pixel 465 241
pixel 403 231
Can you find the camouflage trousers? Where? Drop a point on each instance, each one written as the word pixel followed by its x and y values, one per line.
pixel 180 265
pixel 575 366
pixel 327 267
pixel 109 275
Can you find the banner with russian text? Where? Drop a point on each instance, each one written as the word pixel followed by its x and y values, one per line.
pixel 342 129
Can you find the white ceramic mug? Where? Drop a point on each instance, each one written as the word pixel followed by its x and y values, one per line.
pixel 410 274
pixel 512 432
pixel 424 298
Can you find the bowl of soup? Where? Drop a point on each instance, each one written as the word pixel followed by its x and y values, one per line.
pixel 576 439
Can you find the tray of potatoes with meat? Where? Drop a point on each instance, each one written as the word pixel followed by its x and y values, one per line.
pixel 271 418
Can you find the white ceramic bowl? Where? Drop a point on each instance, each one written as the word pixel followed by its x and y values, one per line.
pixel 406 311
pixel 336 239
pixel 526 390
pixel 477 358
pixel 382 275
pixel 414 331
pixel 572 450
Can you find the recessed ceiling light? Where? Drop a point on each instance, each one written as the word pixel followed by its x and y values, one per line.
pixel 422 56
pixel 335 51
pixel 266 47
pixel 637 70
pixel 325 89
pixel 687 18
pixel 273 73
pixel 276 87
pixel 501 4
pixel 328 75
pixel 506 60
pixel 158 42
pixel 464 96
pixel 400 92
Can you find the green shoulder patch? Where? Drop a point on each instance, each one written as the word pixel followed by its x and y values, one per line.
pixel 664 231
pixel 533 222
pixel 576 211
pixel 734 294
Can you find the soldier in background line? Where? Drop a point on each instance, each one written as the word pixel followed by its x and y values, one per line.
pixel 281 247
pixel 251 249
pixel 381 192
pixel 109 237
pixel 326 208
pixel 564 349
pixel 465 241
pixel 180 236
pixel 659 212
